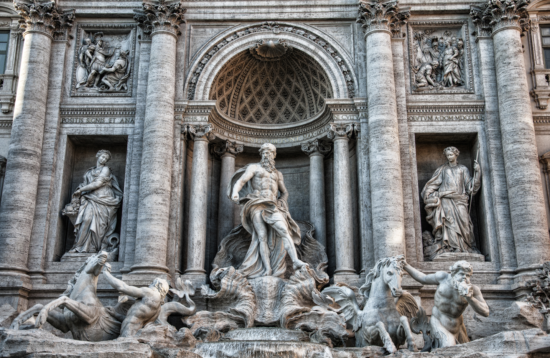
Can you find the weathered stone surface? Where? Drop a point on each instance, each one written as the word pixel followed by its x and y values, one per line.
pixel 7 315
pixel 505 316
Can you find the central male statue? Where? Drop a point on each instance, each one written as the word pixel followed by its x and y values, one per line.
pixel 265 216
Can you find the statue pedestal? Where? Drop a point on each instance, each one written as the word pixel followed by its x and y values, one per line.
pixel 457 256
pixel 268 292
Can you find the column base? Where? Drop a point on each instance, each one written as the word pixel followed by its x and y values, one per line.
pixel 196 277
pixel 14 290
pixel 144 275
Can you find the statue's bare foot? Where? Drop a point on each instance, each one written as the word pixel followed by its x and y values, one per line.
pixel 298 264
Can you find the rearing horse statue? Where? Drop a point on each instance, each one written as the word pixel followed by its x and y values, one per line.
pixel 81 311
pixel 384 320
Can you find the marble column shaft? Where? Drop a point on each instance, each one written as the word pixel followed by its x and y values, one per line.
pixel 529 222
pixel 384 151
pixel 497 174
pixel 158 144
pixel 25 152
pixel 343 230
pixel 226 207
pixel 317 208
pixel 198 208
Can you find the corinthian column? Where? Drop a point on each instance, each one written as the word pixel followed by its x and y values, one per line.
pixel 343 224
pixel 196 237
pixel 227 152
pixel 41 21
pixel 506 21
pixel 162 22
pixel 379 20
pixel 317 210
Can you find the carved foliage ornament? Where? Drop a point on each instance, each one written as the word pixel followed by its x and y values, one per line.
pixel 44 17
pixel 200 132
pixel 270 50
pixel 496 14
pixel 382 15
pixel 160 17
pixel 228 147
pixel 342 130
pixel 316 147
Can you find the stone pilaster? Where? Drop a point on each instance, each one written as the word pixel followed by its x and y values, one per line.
pixel 41 22
pixel 196 237
pixel 340 133
pixel 162 22
pixel 226 207
pixel 380 20
pixel 316 150
pixel 507 20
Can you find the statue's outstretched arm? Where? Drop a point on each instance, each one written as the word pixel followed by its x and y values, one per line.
pixel 120 286
pixel 431 279
pixel 478 303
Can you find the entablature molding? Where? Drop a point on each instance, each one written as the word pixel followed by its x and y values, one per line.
pixel 432 112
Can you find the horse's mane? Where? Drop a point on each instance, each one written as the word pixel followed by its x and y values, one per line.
pixel 72 281
pixel 374 273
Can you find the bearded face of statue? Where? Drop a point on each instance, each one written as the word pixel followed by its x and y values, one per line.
pixel 268 160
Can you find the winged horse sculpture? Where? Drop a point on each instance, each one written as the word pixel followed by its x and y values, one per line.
pixel 384 320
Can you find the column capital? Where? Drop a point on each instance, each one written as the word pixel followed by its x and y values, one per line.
pixel 342 130
pixel 44 17
pixel 227 148
pixel 200 132
pixel 316 147
pixel 160 17
pixel 382 15
pixel 494 16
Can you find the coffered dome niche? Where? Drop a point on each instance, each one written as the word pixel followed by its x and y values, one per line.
pixel 271 84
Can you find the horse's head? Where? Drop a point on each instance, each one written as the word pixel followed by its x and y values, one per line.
pixel 92 266
pixel 95 263
pixel 392 274
pixel 390 270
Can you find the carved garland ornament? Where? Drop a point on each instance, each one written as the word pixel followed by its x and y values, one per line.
pixel 276 29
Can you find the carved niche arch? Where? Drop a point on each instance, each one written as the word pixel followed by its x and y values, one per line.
pixel 215 54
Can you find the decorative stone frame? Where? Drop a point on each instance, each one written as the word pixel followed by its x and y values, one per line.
pixel 413 26
pixel 9 21
pixel 211 58
pixel 108 29
pixel 540 76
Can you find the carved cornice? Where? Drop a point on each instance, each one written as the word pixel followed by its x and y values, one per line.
pixel 200 132
pixel 500 14
pixel 468 112
pixel 6 123
pixel 316 147
pixel 160 18
pixel 382 15
pixel 342 130
pixel 227 148
pixel 98 111
pixel 45 17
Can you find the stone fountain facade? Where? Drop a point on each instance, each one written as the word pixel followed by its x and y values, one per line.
pixel 401 128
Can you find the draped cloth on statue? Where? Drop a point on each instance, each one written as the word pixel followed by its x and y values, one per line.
pixel 446 197
pixel 272 212
pixel 96 219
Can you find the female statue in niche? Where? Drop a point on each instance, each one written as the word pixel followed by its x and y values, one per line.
pixel 100 197
pixel 447 195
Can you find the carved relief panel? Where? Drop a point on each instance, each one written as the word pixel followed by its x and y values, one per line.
pixel 104 59
pixel 440 59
